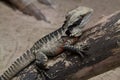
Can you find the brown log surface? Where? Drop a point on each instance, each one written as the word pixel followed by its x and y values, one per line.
pixel 103 55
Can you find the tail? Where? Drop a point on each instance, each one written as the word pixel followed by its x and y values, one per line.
pixel 18 65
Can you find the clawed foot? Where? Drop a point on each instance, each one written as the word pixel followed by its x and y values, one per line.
pixel 46 76
pixel 41 65
pixel 43 75
pixel 83 50
pixel 80 49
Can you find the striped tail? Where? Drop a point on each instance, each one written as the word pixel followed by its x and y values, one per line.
pixel 18 65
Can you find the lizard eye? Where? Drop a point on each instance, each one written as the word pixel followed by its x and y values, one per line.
pixel 83 16
pixel 68 32
pixel 80 17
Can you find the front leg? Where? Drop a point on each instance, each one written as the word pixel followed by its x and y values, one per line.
pixel 80 49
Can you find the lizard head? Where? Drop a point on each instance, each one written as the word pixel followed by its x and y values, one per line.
pixel 76 20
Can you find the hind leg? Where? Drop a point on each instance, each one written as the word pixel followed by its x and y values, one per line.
pixel 41 59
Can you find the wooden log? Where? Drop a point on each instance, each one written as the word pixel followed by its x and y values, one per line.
pixel 103 54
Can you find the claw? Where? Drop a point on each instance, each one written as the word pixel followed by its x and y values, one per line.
pixel 81 54
pixel 84 49
pixel 46 75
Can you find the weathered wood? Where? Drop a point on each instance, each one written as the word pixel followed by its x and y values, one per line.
pixel 103 54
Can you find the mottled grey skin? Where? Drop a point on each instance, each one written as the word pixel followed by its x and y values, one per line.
pixel 52 44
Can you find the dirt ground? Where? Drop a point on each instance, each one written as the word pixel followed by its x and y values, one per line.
pixel 18 32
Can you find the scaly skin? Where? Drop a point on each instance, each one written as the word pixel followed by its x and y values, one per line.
pixel 52 44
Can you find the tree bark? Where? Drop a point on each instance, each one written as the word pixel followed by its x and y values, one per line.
pixel 103 54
